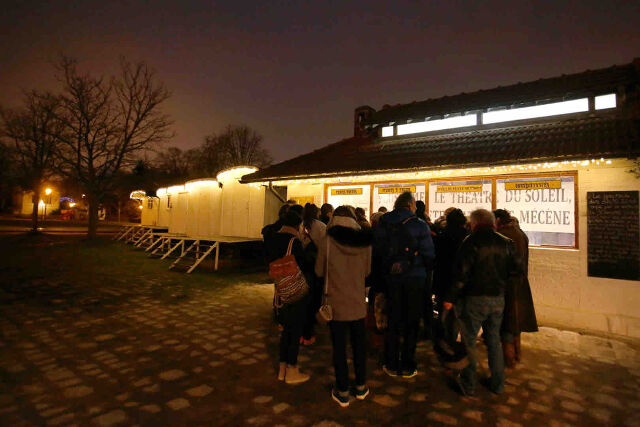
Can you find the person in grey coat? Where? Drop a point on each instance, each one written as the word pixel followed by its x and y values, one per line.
pixel 344 260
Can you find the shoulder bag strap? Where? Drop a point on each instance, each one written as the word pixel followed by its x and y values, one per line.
pixel 326 273
pixel 290 245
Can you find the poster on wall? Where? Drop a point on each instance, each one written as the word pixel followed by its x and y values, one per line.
pixel 465 195
pixel 544 207
pixel 386 194
pixel 357 196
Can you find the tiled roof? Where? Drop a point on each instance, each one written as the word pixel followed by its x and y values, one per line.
pixel 587 83
pixel 588 135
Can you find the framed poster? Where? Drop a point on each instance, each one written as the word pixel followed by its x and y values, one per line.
pixel 386 194
pixel 465 195
pixel 357 196
pixel 544 206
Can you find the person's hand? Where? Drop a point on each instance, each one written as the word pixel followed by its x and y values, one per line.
pixel 447 305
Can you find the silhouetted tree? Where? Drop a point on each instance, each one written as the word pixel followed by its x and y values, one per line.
pixel 107 122
pixel 33 132
pixel 238 146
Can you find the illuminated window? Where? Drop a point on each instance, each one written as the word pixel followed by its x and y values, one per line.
pixel 606 101
pixel 546 110
pixel 387 131
pixel 434 125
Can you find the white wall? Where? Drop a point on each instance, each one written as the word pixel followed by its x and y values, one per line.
pixel 563 293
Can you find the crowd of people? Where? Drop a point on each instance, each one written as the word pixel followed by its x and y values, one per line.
pixel 456 275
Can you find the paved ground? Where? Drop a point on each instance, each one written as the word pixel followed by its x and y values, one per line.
pixel 84 345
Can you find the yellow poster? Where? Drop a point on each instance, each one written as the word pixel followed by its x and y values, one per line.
pixel 346 191
pixel 470 188
pixel 532 185
pixel 396 190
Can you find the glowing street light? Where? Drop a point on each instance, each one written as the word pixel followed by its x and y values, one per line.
pixel 47 191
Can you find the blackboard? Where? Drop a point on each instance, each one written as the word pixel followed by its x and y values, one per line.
pixel 613 234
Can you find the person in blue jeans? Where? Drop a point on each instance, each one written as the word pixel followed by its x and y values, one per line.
pixel 485 263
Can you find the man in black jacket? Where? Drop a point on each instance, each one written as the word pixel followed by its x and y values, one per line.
pixel 485 263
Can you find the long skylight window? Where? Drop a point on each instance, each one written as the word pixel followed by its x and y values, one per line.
pixel 545 110
pixel 605 101
pixel 387 131
pixel 433 125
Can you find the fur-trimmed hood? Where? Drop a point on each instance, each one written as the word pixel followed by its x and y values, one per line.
pixel 346 231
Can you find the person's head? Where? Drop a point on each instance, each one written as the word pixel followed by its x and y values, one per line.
pixel 346 211
pixel 297 209
pixel 360 214
pixel 292 219
pixel 502 216
pixel 375 217
pixel 456 218
pixel 481 218
pixel 291 202
pixel 420 208
pixel 326 210
pixel 405 200
pixel 382 209
pixel 310 213
pixel 283 211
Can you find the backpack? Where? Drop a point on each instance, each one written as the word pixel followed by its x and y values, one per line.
pixel 402 248
pixel 289 282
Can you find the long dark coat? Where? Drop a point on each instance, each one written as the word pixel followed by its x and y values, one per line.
pixel 519 313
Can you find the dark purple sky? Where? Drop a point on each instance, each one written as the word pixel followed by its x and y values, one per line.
pixel 295 70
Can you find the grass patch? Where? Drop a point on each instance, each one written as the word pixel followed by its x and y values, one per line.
pixel 45 267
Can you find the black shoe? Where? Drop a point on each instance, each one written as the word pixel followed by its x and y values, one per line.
pixel 486 382
pixel 390 372
pixel 407 373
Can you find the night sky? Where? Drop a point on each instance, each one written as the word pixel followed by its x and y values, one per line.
pixel 295 70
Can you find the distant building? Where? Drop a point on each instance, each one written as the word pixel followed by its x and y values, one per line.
pixel 46 203
pixel 555 152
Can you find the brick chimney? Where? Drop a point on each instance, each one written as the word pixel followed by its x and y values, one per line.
pixel 360 116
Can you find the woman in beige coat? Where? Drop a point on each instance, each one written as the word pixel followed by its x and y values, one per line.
pixel 344 259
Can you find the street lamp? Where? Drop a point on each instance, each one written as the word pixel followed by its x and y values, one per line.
pixel 47 191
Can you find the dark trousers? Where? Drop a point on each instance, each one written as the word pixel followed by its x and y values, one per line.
pixel 428 306
pixel 356 330
pixel 292 318
pixel 405 302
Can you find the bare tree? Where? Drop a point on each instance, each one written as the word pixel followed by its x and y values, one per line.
pixel 238 146
pixel 33 132
pixel 107 122
pixel 173 163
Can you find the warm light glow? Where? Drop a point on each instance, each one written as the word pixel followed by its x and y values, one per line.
pixel 47 191
pixel 140 207
pixel 416 175
pixel 72 204
pixel 433 125
pixel 536 111
pixel 199 183
pixel 606 101
pixel 175 189
pixel 387 131
pixel 41 203
pixel 236 172
pixel 138 195
pixel 161 192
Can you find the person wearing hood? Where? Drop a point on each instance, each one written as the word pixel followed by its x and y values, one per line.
pixel 344 260
pixel 405 249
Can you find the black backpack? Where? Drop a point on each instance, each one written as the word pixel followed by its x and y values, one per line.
pixel 402 248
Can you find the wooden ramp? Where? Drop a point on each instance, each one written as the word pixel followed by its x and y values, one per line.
pixel 193 250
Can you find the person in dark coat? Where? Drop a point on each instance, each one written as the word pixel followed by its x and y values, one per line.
pixel 447 244
pixel 291 316
pixel 519 312
pixel 485 264
pixel 405 249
